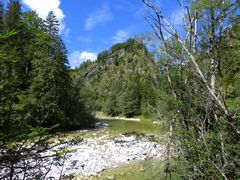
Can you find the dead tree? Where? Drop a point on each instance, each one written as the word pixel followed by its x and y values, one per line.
pixel 211 83
pixel 160 24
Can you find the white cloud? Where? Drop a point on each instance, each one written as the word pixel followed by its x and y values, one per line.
pixel 100 16
pixel 120 36
pixel 43 7
pixel 78 57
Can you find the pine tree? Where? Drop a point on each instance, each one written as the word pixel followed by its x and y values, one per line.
pixel 51 24
pixel 12 67
pixel 13 15
pixel 110 107
pixel 130 100
pixel 148 96
pixel 2 27
pixel 36 91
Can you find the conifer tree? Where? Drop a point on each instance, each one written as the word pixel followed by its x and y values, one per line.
pixel 51 24
pixel 1 17
pixel 36 91
pixel 49 74
pixel 130 101
pixel 111 106
pixel 13 15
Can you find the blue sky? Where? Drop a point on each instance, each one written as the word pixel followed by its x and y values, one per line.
pixel 90 26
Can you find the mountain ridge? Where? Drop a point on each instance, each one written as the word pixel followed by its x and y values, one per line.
pixel 123 65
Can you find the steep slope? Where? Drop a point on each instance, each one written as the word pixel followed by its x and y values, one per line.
pixel 120 81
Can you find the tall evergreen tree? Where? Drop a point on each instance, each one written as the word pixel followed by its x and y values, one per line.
pixel 52 24
pixel 49 75
pixel 130 100
pixel 111 106
pixel 13 68
pixel 36 91
pixel 1 17
pixel 13 15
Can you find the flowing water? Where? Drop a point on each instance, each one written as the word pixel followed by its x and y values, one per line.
pixel 123 126
pixel 142 170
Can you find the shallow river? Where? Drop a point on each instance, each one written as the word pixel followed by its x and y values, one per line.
pixel 123 126
pixel 143 170
pixel 136 170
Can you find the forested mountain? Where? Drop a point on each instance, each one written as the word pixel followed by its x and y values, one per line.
pixel 121 81
pixel 192 88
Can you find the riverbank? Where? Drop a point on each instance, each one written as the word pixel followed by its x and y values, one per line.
pixel 86 154
pixel 93 155
pixel 100 115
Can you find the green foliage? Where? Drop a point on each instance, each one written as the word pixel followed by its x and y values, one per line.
pixel 51 24
pixel 13 15
pixel 130 100
pixel 62 153
pixel 37 94
pixel 230 52
pixel 111 105
pixel 121 81
pixel 2 24
pixel 205 139
pixel 102 57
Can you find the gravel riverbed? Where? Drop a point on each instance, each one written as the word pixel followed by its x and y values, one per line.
pixel 85 157
pixel 94 155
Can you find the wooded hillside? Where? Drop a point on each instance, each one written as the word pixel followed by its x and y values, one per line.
pixel 122 80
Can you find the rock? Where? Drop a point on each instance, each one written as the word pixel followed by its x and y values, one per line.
pixel 73 163
pixel 99 125
pixel 125 139
pixel 93 174
pixel 97 154
pixel 105 125
pixel 110 177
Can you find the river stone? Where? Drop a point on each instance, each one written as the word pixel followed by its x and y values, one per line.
pixel 97 154
pixel 110 177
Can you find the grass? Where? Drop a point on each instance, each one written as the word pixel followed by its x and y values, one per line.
pixel 150 169
pixel 145 118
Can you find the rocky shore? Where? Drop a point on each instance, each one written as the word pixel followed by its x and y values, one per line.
pixel 94 155
pixel 82 156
